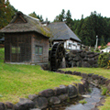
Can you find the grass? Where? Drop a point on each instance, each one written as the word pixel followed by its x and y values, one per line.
pixel 83 101
pixel 18 81
pixel 100 71
pixel 104 90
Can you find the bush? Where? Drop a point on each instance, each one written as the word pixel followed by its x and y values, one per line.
pixel 103 60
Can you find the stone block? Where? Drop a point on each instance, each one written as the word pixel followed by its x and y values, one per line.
pixel 72 91
pixel 41 102
pixel 81 88
pixel 60 90
pixel 46 93
pixel 24 104
pixel 2 106
pixel 63 97
pixel 54 100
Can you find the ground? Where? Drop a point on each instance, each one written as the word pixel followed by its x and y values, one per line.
pixel 18 81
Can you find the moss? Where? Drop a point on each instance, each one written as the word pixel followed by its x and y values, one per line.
pixel 83 101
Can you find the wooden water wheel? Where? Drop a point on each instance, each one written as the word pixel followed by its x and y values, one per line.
pixel 56 55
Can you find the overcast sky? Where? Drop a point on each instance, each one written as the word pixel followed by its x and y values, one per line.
pixel 50 8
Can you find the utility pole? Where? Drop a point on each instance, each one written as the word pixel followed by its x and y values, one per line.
pixel 96 42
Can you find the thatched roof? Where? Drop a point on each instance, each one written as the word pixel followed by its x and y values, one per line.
pixel 30 24
pixel 61 31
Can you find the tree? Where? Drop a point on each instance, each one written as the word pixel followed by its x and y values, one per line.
pixel 87 34
pixel 36 16
pixel 69 20
pixel 7 11
pixel 60 17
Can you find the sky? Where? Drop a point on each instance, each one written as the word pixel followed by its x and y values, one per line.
pixel 51 8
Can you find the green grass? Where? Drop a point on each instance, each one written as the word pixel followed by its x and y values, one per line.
pixel 83 101
pixel 100 71
pixel 18 81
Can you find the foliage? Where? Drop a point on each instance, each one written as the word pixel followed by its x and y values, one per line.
pixel 18 81
pixel 103 60
pixel 36 16
pixel 60 17
pixel 108 64
pixel 64 18
pixel 104 90
pixel 93 25
pixel 7 11
pixel 83 101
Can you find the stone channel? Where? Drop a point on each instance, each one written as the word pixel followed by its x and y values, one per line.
pixel 64 97
pixel 91 101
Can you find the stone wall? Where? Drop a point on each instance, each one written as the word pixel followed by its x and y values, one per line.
pixel 80 58
pixel 55 96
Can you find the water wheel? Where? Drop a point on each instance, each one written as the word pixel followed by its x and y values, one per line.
pixel 56 55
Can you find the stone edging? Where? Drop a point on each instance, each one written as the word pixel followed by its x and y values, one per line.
pixel 50 97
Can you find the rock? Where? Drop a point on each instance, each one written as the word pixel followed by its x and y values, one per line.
pixel 77 58
pixel 9 105
pixel 85 59
pixel 91 61
pixel 86 84
pixel 76 73
pixel 83 54
pixel 32 97
pixel 46 93
pixel 2 106
pixel 94 77
pixel 79 63
pixel 41 102
pixel 84 75
pixel 35 109
pixel 90 74
pixel 85 64
pixel 63 97
pixel 54 100
pixel 81 89
pixel 24 104
pixel 72 91
pixel 95 65
pixel 86 96
pixel 107 82
pixel 88 53
pixel 108 87
pixel 60 90
pixel 68 72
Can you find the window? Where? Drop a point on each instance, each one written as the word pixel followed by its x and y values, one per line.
pixel 15 49
pixel 38 50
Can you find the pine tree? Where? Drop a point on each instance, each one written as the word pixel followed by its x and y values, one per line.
pixel 60 17
pixel 69 20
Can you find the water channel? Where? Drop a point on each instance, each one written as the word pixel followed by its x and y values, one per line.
pixel 94 97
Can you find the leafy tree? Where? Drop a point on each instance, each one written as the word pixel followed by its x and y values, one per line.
pixel 7 11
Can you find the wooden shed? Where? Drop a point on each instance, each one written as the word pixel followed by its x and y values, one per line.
pixel 26 40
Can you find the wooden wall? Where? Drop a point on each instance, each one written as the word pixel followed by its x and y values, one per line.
pixel 22 40
pixel 27 43
pixel 42 41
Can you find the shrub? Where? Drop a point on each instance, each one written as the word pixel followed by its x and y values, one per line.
pixel 103 60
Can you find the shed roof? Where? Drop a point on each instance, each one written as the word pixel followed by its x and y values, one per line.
pixel 30 24
pixel 61 31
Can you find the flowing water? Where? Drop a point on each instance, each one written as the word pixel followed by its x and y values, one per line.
pixel 95 97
